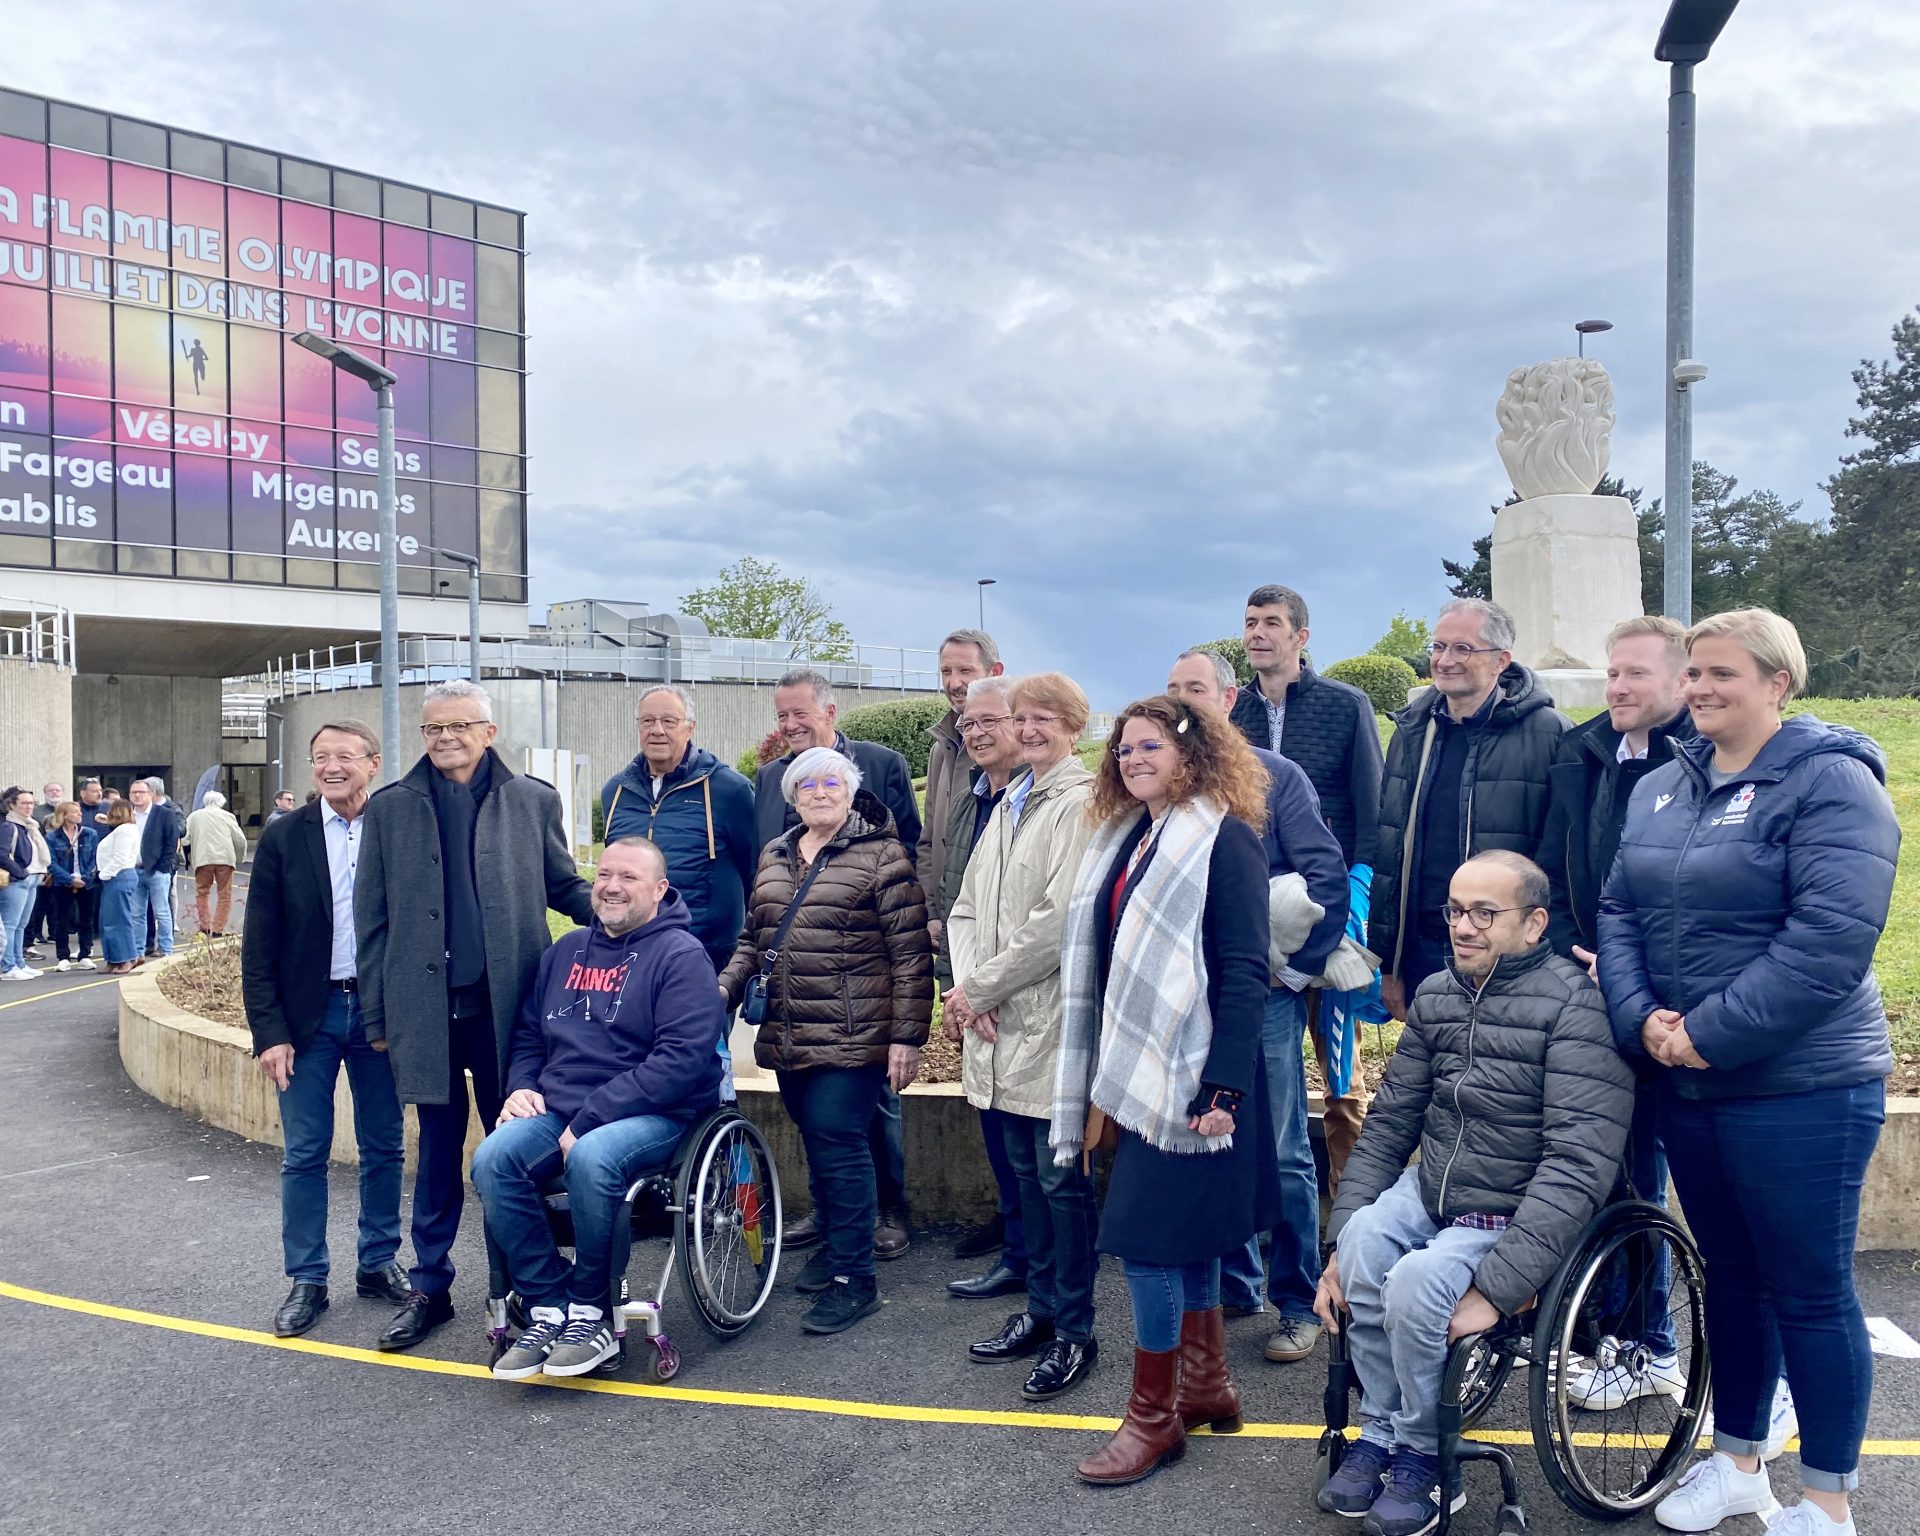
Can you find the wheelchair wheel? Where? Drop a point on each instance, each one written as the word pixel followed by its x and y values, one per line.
pixel 727 1238
pixel 1611 1453
pixel 1487 1373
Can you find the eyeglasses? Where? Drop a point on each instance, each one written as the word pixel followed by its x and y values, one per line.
pixel 1021 722
pixel 1151 748
pixel 975 724
pixel 1481 917
pixel 830 785
pixel 433 730
pixel 328 759
pixel 667 722
pixel 1439 648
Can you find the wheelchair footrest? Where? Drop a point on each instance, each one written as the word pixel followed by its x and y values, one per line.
pixel 648 1315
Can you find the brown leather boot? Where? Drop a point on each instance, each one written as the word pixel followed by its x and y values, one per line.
pixel 1207 1393
pixel 1151 1435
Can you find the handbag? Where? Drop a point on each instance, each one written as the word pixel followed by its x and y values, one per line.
pixel 753 1002
pixel 1102 1136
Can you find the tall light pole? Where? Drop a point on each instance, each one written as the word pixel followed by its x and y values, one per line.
pixel 983 583
pixel 472 563
pixel 381 383
pixel 1686 37
pixel 1585 328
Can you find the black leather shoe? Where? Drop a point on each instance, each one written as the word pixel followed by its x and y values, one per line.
pixel 301 1310
pixel 1021 1337
pixel 1062 1366
pixel 998 1281
pixel 978 1242
pixel 388 1284
pixel 418 1318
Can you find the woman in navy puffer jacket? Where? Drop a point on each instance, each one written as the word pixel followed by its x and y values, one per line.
pixel 1737 932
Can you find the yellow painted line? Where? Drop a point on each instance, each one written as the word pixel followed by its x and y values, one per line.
pixel 41 997
pixel 850 1408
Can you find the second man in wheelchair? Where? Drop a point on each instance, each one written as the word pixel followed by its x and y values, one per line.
pixel 1507 1081
pixel 611 1059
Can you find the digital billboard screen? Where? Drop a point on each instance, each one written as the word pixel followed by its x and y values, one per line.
pixel 155 417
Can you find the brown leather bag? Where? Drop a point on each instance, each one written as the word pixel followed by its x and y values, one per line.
pixel 1102 1136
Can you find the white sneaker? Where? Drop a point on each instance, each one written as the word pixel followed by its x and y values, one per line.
pixel 1805 1519
pixel 84 965
pixel 1783 1423
pixel 64 965
pixel 18 973
pixel 1602 1391
pixel 1714 1490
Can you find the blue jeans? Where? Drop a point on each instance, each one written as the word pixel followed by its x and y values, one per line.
pixel 1635 1305
pixel 833 1108
pixel 306 1124
pixel 518 1157
pixel 1771 1188
pixel 1062 1219
pixel 887 1141
pixel 1162 1293
pixel 1293 1264
pixel 16 907
pixel 155 897
pixel 119 917
pixel 1013 1245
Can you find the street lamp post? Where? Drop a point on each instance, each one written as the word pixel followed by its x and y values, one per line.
pixel 472 563
pixel 1686 37
pixel 983 583
pixel 1585 328
pixel 381 383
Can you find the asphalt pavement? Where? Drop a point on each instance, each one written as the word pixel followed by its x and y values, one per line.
pixel 117 1424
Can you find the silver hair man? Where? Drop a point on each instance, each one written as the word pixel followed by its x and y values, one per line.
pixel 461 688
pixel 1496 624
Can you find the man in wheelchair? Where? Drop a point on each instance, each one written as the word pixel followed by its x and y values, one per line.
pixel 1507 1081
pixel 611 1059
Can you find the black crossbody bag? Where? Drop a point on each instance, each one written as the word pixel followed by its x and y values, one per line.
pixel 753 1002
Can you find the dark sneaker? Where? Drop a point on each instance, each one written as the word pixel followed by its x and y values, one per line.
pixel 582 1345
pixel 841 1305
pixel 815 1275
pixel 1352 1489
pixel 529 1352
pixel 1409 1505
pixel 978 1242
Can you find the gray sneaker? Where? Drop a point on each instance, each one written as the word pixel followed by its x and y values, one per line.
pixel 582 1346
pixel 1292 1340
pixel 529 1352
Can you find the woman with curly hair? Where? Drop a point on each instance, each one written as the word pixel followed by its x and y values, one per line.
pixel 1163 981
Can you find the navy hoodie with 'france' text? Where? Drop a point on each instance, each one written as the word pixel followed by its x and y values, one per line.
pixel 620 1026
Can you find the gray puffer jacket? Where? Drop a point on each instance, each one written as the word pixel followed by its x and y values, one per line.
pixel 1519 1105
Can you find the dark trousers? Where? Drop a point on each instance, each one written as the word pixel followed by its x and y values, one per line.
pixel 1771 1188
pixel 1635 1303
pixel 833 1107
pixel 887 1144
pixel 1062 1219
pixel 1013 1246
pixel 440 1181
pixel 76 914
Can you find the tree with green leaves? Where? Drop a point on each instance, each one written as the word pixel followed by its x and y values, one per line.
pixel 753 599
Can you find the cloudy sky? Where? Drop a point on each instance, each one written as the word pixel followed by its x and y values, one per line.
pixel 1126 304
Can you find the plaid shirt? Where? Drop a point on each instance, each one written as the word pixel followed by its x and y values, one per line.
pixel 1481 1223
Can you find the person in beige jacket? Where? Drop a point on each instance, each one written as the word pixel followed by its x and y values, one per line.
pixel 1005 931
pixel 217 847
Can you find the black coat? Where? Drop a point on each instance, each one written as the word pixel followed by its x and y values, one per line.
pixel 1187 1207
pixel 883 774
pixel 1329 731
pixel 286 944
pixel 1502 790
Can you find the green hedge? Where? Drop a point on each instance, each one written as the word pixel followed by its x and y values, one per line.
pixel 1384 679
pixel 902 724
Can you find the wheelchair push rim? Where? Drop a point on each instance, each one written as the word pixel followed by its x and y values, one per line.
pixel 727 1239
pixel 1486 1373
pixel 1609 1464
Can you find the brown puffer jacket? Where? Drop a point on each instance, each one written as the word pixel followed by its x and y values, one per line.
pixel 856 973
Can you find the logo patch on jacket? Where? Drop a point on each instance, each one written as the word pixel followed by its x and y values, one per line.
pixel 1661 802
pixel 1736 812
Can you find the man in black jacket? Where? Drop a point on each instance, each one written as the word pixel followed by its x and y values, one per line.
pixel 1466 773
pixel 302 998
pixel 1507 1081
pixel 161 829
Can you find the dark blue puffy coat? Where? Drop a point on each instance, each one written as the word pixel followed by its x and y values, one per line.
pixel 1754 909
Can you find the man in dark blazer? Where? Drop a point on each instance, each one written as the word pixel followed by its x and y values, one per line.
pixel 160 832
pixel 302 997
pixel 461 860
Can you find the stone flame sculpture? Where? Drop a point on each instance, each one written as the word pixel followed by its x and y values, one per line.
pixel 1556 427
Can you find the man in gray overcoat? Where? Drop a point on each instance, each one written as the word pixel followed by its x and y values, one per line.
pixel 459 862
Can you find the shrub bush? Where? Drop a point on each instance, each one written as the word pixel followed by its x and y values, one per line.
pixel 772 745
pixel 1233 651
pixel 902 724
pixel 1384 679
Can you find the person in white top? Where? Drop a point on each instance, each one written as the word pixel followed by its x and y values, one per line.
pixel 120 894
pixel 23 855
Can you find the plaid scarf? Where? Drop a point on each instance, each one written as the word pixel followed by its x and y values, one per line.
pixel 1139 1055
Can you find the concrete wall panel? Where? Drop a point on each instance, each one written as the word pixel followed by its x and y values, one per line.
pixel 36 743
pixel 169 722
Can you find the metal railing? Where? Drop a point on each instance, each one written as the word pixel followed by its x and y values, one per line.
pixel 36 632
pixel 679 659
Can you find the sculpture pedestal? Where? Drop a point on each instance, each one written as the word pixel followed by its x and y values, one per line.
pixel 1568 569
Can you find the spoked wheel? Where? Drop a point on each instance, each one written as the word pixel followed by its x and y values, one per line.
pixel 1614 1417
pixel 1487 1372
pixel 727 1241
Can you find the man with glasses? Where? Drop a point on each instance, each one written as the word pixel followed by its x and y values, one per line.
pixel 459 863
pixel 966 656
pixel 1507 1081
pixel 298 970
pixel 1467 772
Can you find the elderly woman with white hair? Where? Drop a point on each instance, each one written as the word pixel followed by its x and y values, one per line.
pixel 217 846
pixel 836 968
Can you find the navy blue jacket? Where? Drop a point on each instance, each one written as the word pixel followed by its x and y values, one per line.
pixel 883 774
pixel 160 840
pixel 61 860
pixel 703 823
pixel 1299 841
pixel 617 1027
pixel 1754 909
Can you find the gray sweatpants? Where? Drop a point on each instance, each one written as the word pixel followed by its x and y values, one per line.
pixel 1402 1277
